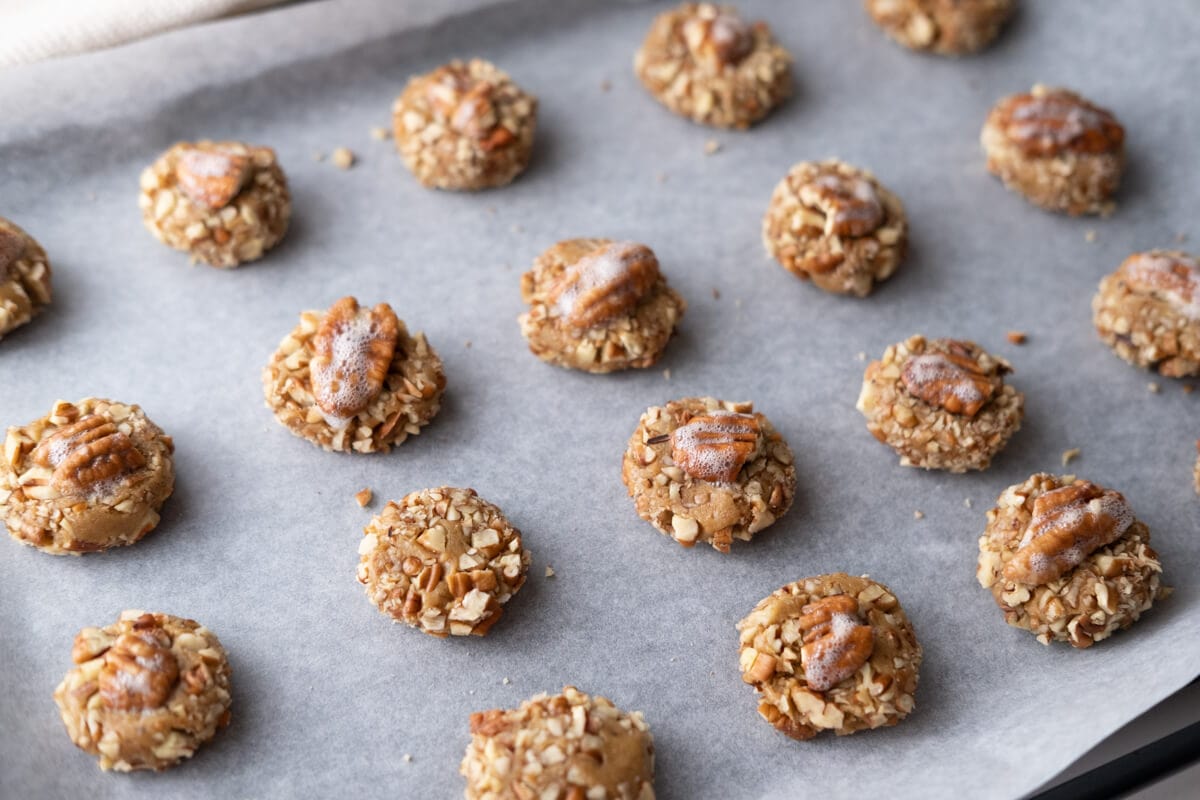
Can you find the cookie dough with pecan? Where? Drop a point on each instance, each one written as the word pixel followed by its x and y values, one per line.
pixel 24 277
pixel 146 691
pixel 442 560
pixel 569 746
pixel 836 225
pixel 945 27
pixel 941 403
pixel 704 62
pixel 1148 312
pixel 224 203
pixel 832 652
pixel 598 305
pixel 87 476
pixel 1067 560
pixel 705 470
pixel 1056 148
pixel 353 379
pixel 465 126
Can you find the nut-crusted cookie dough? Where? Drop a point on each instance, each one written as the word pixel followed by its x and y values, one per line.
pixel 24 277
pixel 569 746
pixel 1148 312
pixel 146 691
pixel 87 476
pixel 946 27
pixel 833 652
pixel 1067 560
pixel 224 203
pixel 442 560
pixel 702 61
pixel 704 470
pixel 465 126
pixel 598 305
pixel 1056 148
pixel 941 403
pixel 353 379
pixel 836 225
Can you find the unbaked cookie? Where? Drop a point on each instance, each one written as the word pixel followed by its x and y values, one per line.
pixel 702 61
pixel 353 379
pixel 1067 560
pixel 465 126
pixel 941 403
pixel 224 203
pixel 442 560
pixel 1148 312
pixel 598 305
pixel 835 225
pixel 832 652
pixel 1056 148
pixel 146 691
pixel 946 27
pixel 24 277
pixel 568 747
pixel 705 470
pixel 88 476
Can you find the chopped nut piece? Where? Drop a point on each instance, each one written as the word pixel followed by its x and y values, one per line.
pixel 918 514
pixel 363 497
pixel 711 147
pixel 1153 388
pixel 380 134
pixel 342 158
pixel 1016 337
pixel 1070 455
pixel 549 571
pixel 1090 235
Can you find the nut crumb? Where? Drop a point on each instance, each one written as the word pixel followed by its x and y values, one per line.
pixel 967 502
pixel 364 497
pixel 605 85
pixel 408 757
pixel 918 515
pixel 667 374
pixel 1153 388
pixel 467 344
pixel 1090 235
pixel 380 134
pixel 1070 455
pixel 711 147
pixel 506 681
pixel 342 158
pixel 716 293
pixel 1016 337
pixel 862 356
pixel 318 155
pixel 549 571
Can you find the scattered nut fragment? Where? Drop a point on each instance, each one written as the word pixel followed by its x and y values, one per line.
pixel 380 134
pixel 550 571
pixel 953 28
pixel 918 514
pixel 1090 235
pixel 363 497
pixel 1070 455
pixel 711 147
pixel 1153 388
pixel 342 158
pixel 1016 337
pixel 24 277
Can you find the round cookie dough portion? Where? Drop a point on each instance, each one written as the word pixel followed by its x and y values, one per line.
pixel 1067 560
pixel 1148 312
pixel 465 126
pixel 224 203
pixel 24 277
pixel 1057 149
pixel 941 403
pixel 702 61
pixel 946 27
pixel 705 470
pixel 598 305
pixel 569 746
pixel 353 379
pixel 836 225
pixel 146 691
pixel 88 476
pixel 833 652
pixel 442 560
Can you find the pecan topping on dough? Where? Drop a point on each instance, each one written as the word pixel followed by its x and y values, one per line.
pixel 352 353
pixel 952 380
pixel 88 454
pixel 1173 276
pixel 1049 122
pixel 836 643
pixel 467 106
pixel 849 202
pixel 610 280
pixel 715 446
pixel 212 177
pixel 719 39
pixel 139 669
pixel 11 247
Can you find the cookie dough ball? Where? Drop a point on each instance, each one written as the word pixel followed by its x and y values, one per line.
pixel 146 691
pixel 1148 312
pixel 88 476
pixel 837 226
pixel 224 203
pixel 568 746
pixel 1067 560
pixel 941 403
pixel 1057 149
pixel 353 379
pixel 442 560
pixel 832 652
pixel 705 470
pixel 946 27
pixel 24 277
pixel 598 305
pixel 465 126
pixel 704 62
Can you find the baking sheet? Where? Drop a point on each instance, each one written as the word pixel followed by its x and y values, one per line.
pixel 259 541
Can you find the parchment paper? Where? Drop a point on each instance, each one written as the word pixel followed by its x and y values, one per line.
pixel 259 541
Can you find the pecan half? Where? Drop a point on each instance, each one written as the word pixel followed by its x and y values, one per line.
pixel 850 204
pixel 836 643
pixel 352 353
pixel 610 280
pixel 1068 525
pixel 464 104
pixel 719 40
pixel 952 380
pixel 715 446
pixel 139 670
pixel 1174 276
pixel 212 177
pixel 86 454
pixel 12 245
pixel 1049 122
